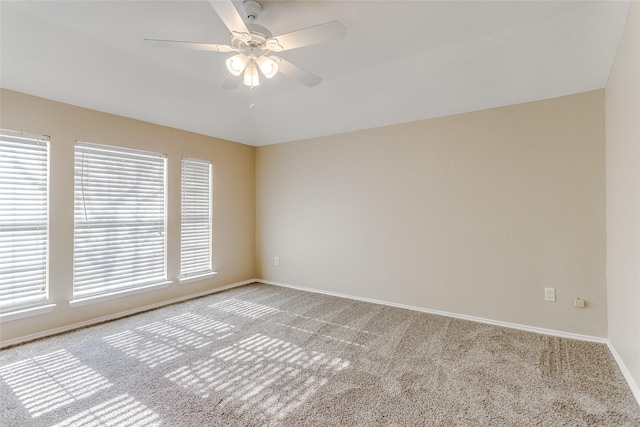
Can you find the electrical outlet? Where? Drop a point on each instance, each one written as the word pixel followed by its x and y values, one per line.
pixel 550 294
pixel 276 261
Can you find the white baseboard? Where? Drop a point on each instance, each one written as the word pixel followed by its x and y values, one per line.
pixel 543 331
pixel 625 372
pixel 119 315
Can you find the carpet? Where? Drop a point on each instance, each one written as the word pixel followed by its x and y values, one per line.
pixel 262 355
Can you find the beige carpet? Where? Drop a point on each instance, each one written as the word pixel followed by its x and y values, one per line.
pixel 262 355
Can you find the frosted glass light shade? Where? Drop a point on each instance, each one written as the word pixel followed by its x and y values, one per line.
pixel 251 77
pixel 236 64
pixel 268 66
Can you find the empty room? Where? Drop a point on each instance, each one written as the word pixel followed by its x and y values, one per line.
pixel 319 213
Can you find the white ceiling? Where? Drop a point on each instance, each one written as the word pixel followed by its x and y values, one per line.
pixel 400 61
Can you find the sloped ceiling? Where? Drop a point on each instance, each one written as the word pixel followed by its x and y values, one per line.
pixel 400 61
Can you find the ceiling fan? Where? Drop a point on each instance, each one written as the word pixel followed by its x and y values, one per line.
pixel 254 45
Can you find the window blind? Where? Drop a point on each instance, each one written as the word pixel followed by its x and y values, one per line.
pixel 119 219
pixel 195 235
pixel 24 218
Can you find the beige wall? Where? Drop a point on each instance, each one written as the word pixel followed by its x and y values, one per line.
pixel 623 197
pixel 234 202
pixel 471 214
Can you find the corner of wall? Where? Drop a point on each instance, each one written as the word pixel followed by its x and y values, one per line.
pixel 622 109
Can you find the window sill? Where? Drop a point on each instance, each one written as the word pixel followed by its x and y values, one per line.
pixel 26 312
pixel 189 279
pixel 78 302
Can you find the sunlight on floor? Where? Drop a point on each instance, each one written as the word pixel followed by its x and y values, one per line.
pixel 122 411
pixel 203 325
pixel 330 337
pixel 161 341
pixel 244 308
pixel 259 377
pixel 262 375
pixel 326 322
pixel 46 383
pixel 143 348
pixel 339 329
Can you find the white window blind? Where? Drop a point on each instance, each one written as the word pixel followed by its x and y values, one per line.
pixel 24 218
pixel 119 220
pixel 195 235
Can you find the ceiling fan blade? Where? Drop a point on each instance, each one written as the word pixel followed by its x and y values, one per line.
pixel 231 18
pixel 175 44
pixel 230 82
pixel 291 70
pixel 322 33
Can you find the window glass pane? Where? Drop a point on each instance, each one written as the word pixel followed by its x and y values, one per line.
pixel 119 219
pixel 195 241
pixel 24 219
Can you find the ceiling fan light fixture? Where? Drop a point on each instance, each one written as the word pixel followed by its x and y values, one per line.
pixel 251 77
pixel 236 64
pixel 268 66
pixel 251 43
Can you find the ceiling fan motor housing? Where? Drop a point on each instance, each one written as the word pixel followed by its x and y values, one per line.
pixel 251 10
pixel 257 37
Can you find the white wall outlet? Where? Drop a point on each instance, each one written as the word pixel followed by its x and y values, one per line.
pixel 578 302
pixel 550 294
pixel 276 261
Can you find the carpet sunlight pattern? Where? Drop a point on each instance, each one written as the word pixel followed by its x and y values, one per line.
pixel 261 355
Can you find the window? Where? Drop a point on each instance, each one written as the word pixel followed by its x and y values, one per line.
pixel 24 219
pixel 119 227
pixel 195 235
